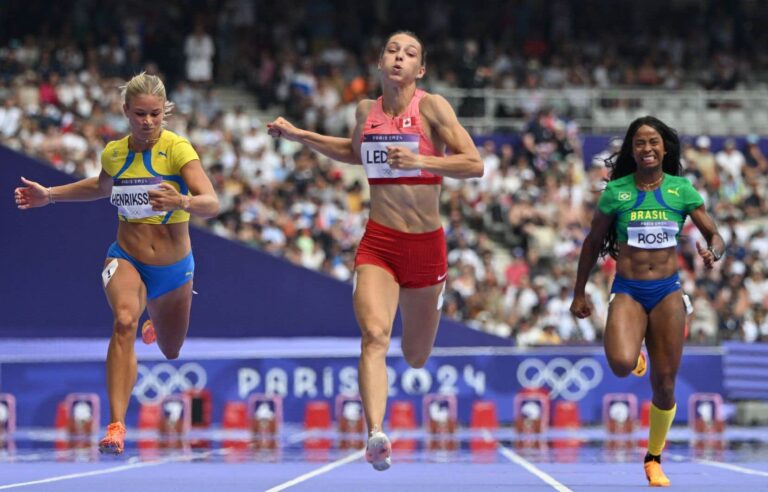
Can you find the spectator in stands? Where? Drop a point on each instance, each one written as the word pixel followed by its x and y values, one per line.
pixel 705 161
pixel 539 139
pixel 199 50
pixel 156 181
pixel 400 139
pixel 731 161
pixel 755 161
pixel 639 217
pixel 267 61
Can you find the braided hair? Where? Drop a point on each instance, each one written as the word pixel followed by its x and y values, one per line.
pixel 623 164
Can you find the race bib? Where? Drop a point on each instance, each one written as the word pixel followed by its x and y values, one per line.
pixel 131 196
pixel 652 235
pixel 374 155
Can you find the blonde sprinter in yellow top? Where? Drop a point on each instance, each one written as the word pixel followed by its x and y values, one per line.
pixel 156 180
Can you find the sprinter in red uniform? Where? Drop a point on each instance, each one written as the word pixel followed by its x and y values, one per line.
pixel 400 140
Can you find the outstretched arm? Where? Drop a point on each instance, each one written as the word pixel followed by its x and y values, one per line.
pixel 464 160
pixel 337 148
pixel 590 250
pixel 33 194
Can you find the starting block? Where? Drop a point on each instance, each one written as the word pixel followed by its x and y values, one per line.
pixel 402 417
pixel 565 415
pixel 531 412
pixel 201 408
pixel 705 413
pixel 317 420
pixel 440 415
pixel 620 413
pixel 7 422
pixel 83 413
pixel 176 414
pixel 265 417
pixel 148 425
pixel 350 421
pixel 705 419
pixel 484 421
pixel 7 415
pixel 234 422
pixel 172 419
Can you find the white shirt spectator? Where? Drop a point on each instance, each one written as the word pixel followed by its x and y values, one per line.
pixel 467 256
pixel 238 122
pixel 10 118
pixel 731 160
pixel 755 327
pixel 199 50
pixel 70 91
pixel 75 145
pixel 254 140
pixel 757 287
pixel 526 301
pixel 184 97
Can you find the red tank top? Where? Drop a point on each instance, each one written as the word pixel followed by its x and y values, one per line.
pixel 381 131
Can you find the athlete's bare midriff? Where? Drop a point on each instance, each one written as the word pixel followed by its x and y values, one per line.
pixel 408 208
pixel 646 264
pixel 155 244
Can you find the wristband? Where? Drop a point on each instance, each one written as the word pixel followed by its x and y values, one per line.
pixel 714 253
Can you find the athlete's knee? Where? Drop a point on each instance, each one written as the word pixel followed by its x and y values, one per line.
pixel 622 364
pixel 170 352
pixel 126 320
pixel 375 339
pixel 415 358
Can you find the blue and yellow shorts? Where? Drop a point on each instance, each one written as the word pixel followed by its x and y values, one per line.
pixel 159 280
pixel 646 292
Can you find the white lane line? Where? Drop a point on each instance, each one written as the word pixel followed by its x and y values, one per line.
pixel 72 476
pixel 105 471
pixel 725 466
pixel 325 469
pixel 530 467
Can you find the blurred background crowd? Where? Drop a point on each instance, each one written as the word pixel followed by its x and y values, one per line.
pixel 514 235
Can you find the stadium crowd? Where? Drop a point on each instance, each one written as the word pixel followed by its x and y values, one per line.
pixel 513 235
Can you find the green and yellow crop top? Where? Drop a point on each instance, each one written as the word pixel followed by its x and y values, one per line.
pixel 134 174
pixel 649 219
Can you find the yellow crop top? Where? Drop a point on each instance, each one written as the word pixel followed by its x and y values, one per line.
pixel 134 174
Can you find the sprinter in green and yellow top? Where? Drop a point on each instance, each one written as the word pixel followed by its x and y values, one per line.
pixel 638 221
pixel 156 180
pixel 649 219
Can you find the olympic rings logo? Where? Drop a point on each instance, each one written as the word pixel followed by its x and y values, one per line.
pixel 163 379
pixel 572 381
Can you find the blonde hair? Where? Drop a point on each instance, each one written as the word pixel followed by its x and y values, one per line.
pixel 146 84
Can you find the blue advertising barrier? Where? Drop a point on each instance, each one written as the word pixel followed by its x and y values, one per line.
pixel 581 375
